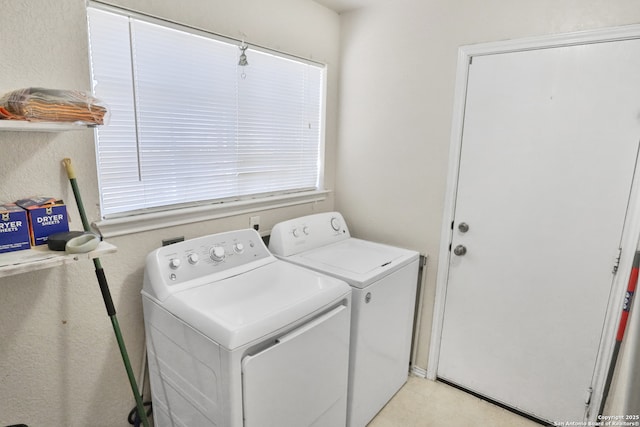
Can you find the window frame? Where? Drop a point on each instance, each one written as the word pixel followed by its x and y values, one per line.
pixel 134 221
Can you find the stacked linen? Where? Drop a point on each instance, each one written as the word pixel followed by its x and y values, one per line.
pixel 52 105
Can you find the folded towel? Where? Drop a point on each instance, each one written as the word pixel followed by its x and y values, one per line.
pixel 51 105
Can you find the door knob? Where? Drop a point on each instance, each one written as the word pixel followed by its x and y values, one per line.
pixel 460 250
pixel 463 227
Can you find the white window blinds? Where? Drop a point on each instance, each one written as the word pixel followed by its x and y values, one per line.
pixel 189 125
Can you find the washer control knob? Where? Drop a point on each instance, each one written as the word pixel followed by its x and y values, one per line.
pixel 335 224
pixel 296 233
pixel 238 248
pixel 305 230
pixel 217 253
pixel 174 263
pixel 193 259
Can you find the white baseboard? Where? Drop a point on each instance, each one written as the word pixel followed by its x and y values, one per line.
pixel 418 372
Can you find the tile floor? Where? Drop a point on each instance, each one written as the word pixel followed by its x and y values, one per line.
pixel 425 403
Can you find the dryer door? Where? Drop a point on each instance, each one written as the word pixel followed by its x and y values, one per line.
pixel 302 379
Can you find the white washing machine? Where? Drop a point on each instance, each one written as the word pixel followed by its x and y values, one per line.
pixel 236 337
pixel 384 281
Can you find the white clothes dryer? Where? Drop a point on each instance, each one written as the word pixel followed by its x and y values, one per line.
pixel 384 281
pixel 236 337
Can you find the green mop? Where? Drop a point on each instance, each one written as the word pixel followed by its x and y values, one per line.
pixel 106 296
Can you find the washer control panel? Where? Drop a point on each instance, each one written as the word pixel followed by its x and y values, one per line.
pixel 307 232
pixel 209 258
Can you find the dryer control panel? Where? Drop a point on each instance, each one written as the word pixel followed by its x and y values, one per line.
pixel 307 232
pixel 202 260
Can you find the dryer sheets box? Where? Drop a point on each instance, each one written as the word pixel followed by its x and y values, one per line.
pixel 14 228
pixel 46 217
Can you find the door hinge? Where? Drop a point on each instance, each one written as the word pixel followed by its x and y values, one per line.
pixel 616 260
pixel 423 260
pixel 587 396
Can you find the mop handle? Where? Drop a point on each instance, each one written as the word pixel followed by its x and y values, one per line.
pixel 102 279
pixel 71 173
pixel 628 298
pixel 106 296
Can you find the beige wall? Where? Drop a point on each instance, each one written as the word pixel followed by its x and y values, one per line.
pixel 59 362
pixel 396 98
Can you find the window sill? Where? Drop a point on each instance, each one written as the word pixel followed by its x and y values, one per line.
pixel 162 219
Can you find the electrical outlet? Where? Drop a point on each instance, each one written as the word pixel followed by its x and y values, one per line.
pixel 254 222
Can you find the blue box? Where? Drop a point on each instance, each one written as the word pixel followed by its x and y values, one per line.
pixel 46 216
pixel 14 228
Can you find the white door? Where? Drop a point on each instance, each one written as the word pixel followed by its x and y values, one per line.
pixel 548 152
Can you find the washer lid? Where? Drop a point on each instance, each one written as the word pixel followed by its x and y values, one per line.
pixel 243 308
pixel 359 262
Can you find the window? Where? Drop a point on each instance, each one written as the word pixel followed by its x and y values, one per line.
pixel 188 125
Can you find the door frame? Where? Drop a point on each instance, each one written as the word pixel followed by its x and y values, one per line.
pixel 631 230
